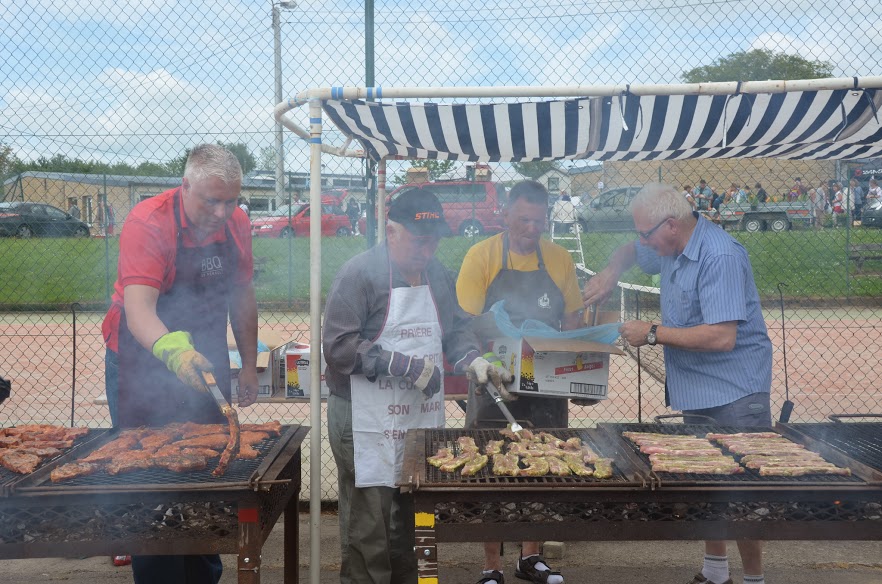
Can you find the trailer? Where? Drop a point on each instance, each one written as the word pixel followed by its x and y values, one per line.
pixel 756 217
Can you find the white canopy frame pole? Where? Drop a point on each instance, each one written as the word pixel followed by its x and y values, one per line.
pixel 315 339
pixel 381 200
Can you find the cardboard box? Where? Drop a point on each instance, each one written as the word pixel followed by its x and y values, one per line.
pixel 567 368
pixel 270 364
pixel 298 373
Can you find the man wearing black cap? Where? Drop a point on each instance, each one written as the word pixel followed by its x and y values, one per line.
pixel 390 317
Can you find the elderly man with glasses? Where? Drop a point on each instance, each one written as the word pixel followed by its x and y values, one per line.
pixel 718 356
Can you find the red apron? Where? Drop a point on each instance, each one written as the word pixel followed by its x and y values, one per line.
pixel 197 302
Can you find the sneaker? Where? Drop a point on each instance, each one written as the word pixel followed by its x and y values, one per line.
pixel 700 579
pixel 527 570
pixel 493 575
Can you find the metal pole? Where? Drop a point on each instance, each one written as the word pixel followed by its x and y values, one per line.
pixel 280 136
pixel 315 340
pixel 372 226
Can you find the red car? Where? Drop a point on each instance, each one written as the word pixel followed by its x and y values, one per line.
pixel 276 224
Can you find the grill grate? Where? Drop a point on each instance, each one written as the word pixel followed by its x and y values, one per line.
pixel 435 439
pixel 861 441
pixel 240 470
pixel 750 476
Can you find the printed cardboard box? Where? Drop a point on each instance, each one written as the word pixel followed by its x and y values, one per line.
pixel 542 367
pixel 270 364
pixel 298 373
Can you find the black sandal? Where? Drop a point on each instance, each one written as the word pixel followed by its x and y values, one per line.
pixel 493 576
pixel 530 572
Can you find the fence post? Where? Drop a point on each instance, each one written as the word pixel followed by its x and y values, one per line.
pixel 107 283
pixel 73 365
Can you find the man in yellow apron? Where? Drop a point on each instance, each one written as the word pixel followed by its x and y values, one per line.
pixel 390 318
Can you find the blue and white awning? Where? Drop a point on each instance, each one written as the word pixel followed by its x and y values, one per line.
pixel 829 124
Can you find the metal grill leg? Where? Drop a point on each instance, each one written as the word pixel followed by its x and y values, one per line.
pixel 249 546
pixel 425 548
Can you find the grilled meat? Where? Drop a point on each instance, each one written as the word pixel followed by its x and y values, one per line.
pixel 466 444
pixel 493 447
pixel 473 466
pixel 124 465
pixel 574 444
pixel 750 435
pixel 247 452
pixel 274 428
pixel 158 439
pixel 576 466
pixel 213 441
pixel 443 456
pixel 9 441
pixel 181 463
pixel 17 461
pixel 798 471
pixel 41 452
pixel 203 452
pixel 232 447
pixel 73 470
pixel 192 429
pixel 252 437
pixel 681 467
pixel 603 468
pixel 536 466
pixel 505 465
pixel 124 443
pixel 557 467
pixel 458 461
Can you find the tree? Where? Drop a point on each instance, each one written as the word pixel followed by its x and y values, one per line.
pixel 246 159
pixel 175 166
pixel 8 161
pixel 758 65
pixel 266 160
pixel 536 168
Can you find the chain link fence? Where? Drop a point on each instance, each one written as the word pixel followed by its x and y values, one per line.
pixel 100 102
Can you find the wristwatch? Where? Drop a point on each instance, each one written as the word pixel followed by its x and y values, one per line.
pixel 651 338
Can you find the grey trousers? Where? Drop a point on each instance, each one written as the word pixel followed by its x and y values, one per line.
pixel 376 523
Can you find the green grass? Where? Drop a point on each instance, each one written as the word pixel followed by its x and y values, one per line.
pixel 53 273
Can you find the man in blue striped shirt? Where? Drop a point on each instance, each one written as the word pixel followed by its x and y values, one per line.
pixel 718 356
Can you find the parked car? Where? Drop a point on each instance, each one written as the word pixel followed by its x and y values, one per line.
pixel 871 215
pixel 23 219
pixel 609 211
pixel 470 208
pixel 276 224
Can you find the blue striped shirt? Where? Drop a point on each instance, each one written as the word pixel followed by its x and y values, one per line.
pixel 709 283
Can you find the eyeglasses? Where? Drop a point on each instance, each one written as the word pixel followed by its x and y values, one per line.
pixel 648 234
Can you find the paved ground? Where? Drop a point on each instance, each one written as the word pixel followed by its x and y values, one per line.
pixel 605 562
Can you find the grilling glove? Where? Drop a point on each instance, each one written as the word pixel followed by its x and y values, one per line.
pixel 489 369
pixel 422 373
pixel 176 350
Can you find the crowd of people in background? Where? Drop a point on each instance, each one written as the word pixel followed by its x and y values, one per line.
pixel 828 199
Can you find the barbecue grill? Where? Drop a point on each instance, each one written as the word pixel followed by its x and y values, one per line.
pixel 635 504
pixel 861 442
pixel 157 512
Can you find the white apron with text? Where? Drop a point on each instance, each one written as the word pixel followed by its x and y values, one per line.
pixel 383 411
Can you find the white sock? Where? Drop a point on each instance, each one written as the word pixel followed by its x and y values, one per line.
pixel 761 579
pixel 488 572
pixel 552 579
pixel 716 568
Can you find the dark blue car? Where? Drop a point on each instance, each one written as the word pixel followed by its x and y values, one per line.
pixel 22 219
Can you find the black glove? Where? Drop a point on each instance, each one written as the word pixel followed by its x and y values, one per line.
pixel 5 389
pixel 422 373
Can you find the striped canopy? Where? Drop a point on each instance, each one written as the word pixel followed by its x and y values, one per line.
pixel 828 124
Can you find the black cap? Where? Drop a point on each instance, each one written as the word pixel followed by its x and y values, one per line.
pixel 420 212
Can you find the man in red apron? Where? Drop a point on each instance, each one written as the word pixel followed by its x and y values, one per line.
pixel 537 279
pixel 185 266
pixel 390 318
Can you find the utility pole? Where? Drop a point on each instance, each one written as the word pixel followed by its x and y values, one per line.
pixel 280 136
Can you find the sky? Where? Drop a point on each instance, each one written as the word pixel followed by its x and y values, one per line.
pixel 141 81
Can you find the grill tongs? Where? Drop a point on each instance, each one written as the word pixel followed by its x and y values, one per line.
pixel 494 393
pixel 232 448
